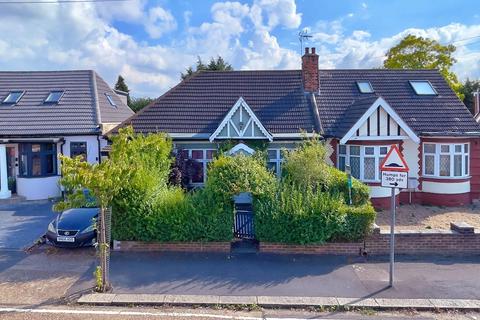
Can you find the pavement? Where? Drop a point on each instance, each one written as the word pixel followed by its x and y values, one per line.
pixel 217 274
pixel 23 223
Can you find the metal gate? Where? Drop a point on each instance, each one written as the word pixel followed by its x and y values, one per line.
pixel 244 222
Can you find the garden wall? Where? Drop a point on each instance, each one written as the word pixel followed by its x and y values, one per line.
pixel 461 239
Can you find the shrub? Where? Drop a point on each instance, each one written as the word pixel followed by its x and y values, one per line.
pixel 338 184
pixel 298 215
pixel 358 222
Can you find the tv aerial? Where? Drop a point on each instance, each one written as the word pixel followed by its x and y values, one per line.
pixel 303 36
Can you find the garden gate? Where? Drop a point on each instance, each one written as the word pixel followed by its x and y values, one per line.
pixel 244 227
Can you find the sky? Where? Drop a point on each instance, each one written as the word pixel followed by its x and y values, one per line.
pixel 151 42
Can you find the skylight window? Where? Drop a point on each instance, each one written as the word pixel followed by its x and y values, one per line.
pixel 54 97
pixel 423 87
pixel 13 97
pixel 365 87
pixel 110 100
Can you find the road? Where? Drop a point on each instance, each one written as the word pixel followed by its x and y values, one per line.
pixel 111 313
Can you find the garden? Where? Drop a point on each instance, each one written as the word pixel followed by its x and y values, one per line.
pixel 142 183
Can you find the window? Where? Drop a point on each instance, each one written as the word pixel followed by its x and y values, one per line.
pixel 78 149
pixel 110 100
pixel 275 160
pixel 38 159
pixel 364 161
pixel 423 87
pixel 365 87
pixel 201 159
pixel 13 97
pixel 54 97
pixel 446 160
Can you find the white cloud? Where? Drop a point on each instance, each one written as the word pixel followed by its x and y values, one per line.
pixel 276 12
pixel 159 22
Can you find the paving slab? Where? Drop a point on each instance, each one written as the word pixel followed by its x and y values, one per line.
pixel 357 302
pixel 192 299
pixel 238 300
pixel 455 303
pixel 97 298
pixel 155 299
pixel 405 303
pixel 296 301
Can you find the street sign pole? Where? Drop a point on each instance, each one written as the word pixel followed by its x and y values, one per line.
pixel 392 238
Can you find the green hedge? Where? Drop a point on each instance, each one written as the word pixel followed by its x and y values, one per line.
pixel 299 215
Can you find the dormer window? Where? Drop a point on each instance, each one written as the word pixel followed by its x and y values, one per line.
pixel 423 87
pixel 54 97
pixel 365 87
pixel 110 100
pixel 13 97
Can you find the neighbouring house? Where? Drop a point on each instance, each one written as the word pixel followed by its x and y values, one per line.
pixel 45 113
pixel 359 112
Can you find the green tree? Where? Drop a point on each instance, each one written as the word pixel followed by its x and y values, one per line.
pixel 122 86
pixel 218 64
pixel 422 53
pixel 137 104
pixel 467 90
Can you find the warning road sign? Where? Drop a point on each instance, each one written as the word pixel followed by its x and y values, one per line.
pixel 394 161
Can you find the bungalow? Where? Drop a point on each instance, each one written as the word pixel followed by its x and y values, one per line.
pixel 359 112
pixel 43 114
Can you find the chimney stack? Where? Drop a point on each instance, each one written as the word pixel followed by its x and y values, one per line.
pixel 476 102
pixel 310 74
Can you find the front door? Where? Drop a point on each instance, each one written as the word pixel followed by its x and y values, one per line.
pixel 12 167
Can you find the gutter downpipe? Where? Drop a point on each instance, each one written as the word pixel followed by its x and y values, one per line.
pixel 62 143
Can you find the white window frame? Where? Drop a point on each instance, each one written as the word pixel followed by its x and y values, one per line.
pixel 278 160
pixel 436 162
pixel 204 161
pixel 376 154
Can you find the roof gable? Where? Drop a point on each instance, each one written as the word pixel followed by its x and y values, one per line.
pixel 241 123
pixel 378 104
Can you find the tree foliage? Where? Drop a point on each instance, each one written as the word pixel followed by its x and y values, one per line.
pixel 467 90
pixel 137 104
pixel 422 53
pixel 122 86
pixel 218 64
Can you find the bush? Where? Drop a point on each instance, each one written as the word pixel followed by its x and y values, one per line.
pixel 302 216
pixel 339 184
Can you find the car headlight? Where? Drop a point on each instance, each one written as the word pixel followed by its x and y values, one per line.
pixel 88 229
pixel 51 227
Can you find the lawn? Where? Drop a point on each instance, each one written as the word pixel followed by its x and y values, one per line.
pixel 417 217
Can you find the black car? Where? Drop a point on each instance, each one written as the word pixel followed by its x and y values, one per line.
pixel 74 228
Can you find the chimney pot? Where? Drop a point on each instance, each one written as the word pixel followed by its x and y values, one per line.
pixel 307 49
pixel 310 74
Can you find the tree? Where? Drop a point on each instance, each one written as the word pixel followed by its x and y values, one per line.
pixel 422 53
pixel 467 90
pixel 137 104
pixel 214 65
pixel 122 86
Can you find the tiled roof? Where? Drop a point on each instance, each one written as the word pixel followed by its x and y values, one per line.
pixel 75 113
pixel 423 114
pixel 199 104
pixel 354 112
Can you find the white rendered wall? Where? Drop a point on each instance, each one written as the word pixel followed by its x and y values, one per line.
pixel 38 188
pixel 446 187
pixel 381 192
pixel 411 154
pixel 92 146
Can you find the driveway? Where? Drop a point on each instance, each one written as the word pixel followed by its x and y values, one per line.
pixel 23 223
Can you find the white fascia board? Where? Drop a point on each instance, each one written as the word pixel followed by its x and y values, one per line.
pixel 380 102
pixel 230 114
pixel 378 138
pixel 294 135
pixel 241 146
pixel 189 135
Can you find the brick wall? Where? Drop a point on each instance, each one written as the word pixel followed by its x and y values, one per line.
pixel 172 246
pixel 446 242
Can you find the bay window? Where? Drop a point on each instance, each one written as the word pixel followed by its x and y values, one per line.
pixel 38 159
pixel 364 161
pixel 446 160
pixel 201 159
pixel 275 159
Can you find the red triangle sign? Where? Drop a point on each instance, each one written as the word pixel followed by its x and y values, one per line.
pixel 394 161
